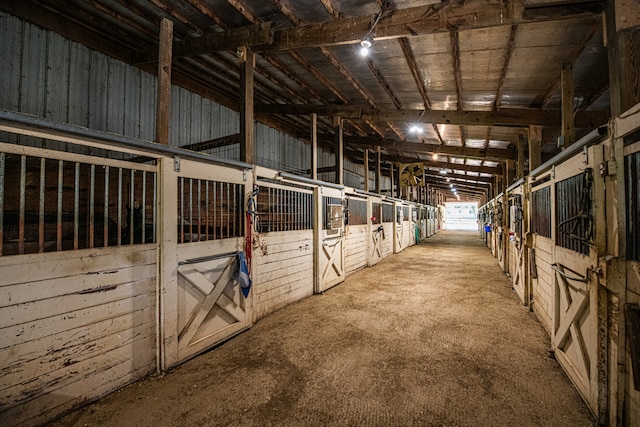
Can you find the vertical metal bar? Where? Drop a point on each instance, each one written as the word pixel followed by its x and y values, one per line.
pixel 2 171
pixel 143 207
pixel 228 207
pixel 92 191
pixel 43 166
pixel 215 210
pixel 181 214
pixel 59 207
pixel 235 211
pixel 269 208
pixel 132 205
pixel 23 188
pixel 206 210
pixel 105 231
pixel 276 208
pixel 191 209
pixel 199 209
pixel 119 206
pixel 155 201
pixel 76 205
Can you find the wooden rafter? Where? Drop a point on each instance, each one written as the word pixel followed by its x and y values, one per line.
pixel 331 8
pixel 459 178
pixel 443 17
pixel 413 147
pixel 505 67
pixel 518 117
pixel 384 83
pixel 595 26
pixel 284 9
pixel 417 77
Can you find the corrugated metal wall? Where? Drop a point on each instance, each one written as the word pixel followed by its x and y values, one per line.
pixel 46 75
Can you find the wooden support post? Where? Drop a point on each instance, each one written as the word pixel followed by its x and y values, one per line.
pixel 366 170
pixel 164 82
pixel 520 167
pixel 535 147
pixel 568 122
pixel 314 146
pixel 509 176
pixel 339 149
pixel 378 169
pixel 623 41
pixel 247 140
pixel 391 175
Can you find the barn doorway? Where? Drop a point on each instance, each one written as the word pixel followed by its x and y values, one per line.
pixel 461 216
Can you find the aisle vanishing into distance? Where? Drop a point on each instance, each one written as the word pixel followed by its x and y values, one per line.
pixel 434 335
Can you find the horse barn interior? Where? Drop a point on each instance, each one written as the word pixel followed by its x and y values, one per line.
pixel 174 172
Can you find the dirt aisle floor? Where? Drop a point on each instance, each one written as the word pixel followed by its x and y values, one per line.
pixel 432 336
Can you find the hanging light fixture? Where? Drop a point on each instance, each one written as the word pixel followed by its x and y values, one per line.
pixel 416 129
pixel 365 46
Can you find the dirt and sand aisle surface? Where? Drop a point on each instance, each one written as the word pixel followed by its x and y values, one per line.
pixel 432 336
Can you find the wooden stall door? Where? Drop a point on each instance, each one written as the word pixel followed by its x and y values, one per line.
pixel 376 230
pixel 203 228
pixel 330 263
pixel 398 236
pixel 575 286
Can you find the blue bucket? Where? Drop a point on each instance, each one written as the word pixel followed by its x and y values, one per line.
pixel 487 228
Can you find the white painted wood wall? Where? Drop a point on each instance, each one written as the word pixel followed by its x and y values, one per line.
pixel 75 326
pixel 356 241
pixel 282 269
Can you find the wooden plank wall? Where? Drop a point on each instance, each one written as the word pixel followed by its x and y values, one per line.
pixel 542 287
pixel 407 233
pixel 387 241
pixel 282 270
pixel 75 326
pixel 356 241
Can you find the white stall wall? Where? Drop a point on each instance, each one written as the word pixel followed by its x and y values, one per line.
pixel 282 269
pixel 75 325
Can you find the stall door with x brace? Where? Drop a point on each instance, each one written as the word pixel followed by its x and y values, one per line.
pixel 330 265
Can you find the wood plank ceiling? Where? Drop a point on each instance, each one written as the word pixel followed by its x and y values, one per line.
pixel 475 74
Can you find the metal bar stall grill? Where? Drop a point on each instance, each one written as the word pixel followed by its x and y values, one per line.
pixel 279 209
pixel 209 210
pixel 387 212
pixel 64 201
pixel 632 175
pixel 356 211
pixel 574 213
pixel 541 212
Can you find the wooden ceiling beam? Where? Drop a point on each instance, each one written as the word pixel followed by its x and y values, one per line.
pixel 503 117
pixel 413 147
pixel 250 36
pixel 331 8
pixel 572 59
pixel 417 77
pixel 428 19
pixel 384 83
pixel 460 177
pixel 505 67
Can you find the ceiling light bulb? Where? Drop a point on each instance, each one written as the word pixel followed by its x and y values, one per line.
pixel 435 156
pixel 365 46
pixel 416 129
pixel 450 185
